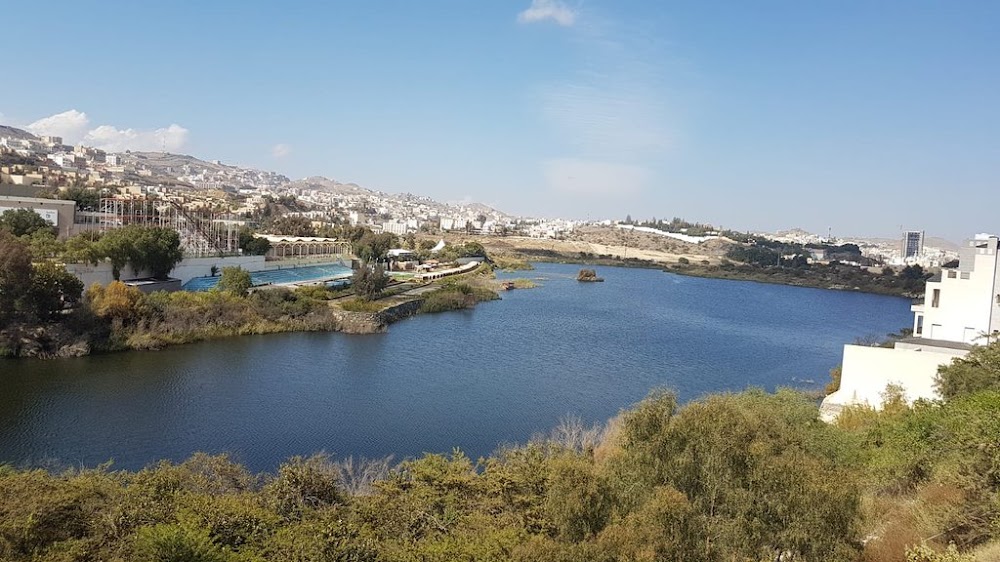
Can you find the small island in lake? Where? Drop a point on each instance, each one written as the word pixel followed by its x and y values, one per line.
pixel 589 276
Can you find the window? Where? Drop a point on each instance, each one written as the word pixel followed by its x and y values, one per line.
pixel 936 299
pixel 920 325
pixel 965 275
pixel 952 274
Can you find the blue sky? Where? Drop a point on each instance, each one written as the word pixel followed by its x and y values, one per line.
pixel 857 116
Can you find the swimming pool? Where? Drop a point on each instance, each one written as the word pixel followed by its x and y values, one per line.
pixel 278 276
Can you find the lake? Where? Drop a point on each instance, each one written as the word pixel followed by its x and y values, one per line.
pixel 469 379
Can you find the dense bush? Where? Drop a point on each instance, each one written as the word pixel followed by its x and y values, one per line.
pixel 748 477
pixel 977 371
pixel 235 281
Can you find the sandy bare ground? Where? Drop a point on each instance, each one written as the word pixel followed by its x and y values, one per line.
pixel 604 241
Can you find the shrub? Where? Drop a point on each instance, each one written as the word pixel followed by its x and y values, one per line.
pixel 977 371
pixel 173 543
pixel 304 483
pixel 235 281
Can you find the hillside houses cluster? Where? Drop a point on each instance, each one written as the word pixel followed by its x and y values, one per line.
pixel 196 185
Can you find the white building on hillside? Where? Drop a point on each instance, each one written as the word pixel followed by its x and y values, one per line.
pixel 961 308
pixel 963 305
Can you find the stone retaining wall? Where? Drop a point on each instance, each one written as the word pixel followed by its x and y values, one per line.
pixel 375 322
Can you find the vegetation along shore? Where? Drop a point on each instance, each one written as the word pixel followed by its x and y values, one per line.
pixel 46 312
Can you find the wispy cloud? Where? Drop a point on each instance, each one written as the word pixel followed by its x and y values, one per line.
pixel 71 125
pixel 591 177
pixel 610 114
pixel 281 150
pixel 74 126
pixel 607 115
pixel 543 10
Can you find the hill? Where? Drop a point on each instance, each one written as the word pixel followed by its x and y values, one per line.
pixel 15 133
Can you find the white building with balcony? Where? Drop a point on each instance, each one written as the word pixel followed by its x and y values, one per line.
pixel 960 308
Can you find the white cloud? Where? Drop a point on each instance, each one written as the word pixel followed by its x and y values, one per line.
pixel 281 150
pixel 70 125
pixel 554 10
pixel 73 125
pixel 112 139
pixel 594 178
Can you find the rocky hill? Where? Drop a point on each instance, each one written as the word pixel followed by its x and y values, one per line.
pixel 15 133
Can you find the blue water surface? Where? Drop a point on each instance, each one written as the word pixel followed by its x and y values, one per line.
pixel 470 379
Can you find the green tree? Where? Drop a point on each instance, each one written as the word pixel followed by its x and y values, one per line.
pixel 52 289
pixel 15 275
pixel 158 250
pixel 977 371
pixel 23 222
pixel 151 248
pixel 235 281
pixel 252 245
pixel 117 247
pixel 44 244
pixel 369 282
pixel 292 226
pixel 374 247
pixel 87 199
pixel 83 248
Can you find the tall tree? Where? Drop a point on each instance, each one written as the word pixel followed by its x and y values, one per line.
pixel 369 282
pixel 52 290
pixel 151 248
pixel 15 275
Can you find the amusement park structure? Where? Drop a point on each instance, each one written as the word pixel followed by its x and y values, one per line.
pixel 203 233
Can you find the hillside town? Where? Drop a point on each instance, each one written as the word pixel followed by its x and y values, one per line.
pixel 231 193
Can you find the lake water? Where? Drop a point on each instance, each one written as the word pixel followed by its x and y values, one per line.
pixel 470 379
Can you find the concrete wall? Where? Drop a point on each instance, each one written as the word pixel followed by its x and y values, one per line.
pixel 190 268
pixel 868 370
pixel 90 274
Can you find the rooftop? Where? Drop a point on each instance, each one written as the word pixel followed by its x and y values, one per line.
pixel 927 342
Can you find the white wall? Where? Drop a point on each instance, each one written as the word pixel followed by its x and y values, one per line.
pixel 90 274
pixel 868 370
pixel 188 269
